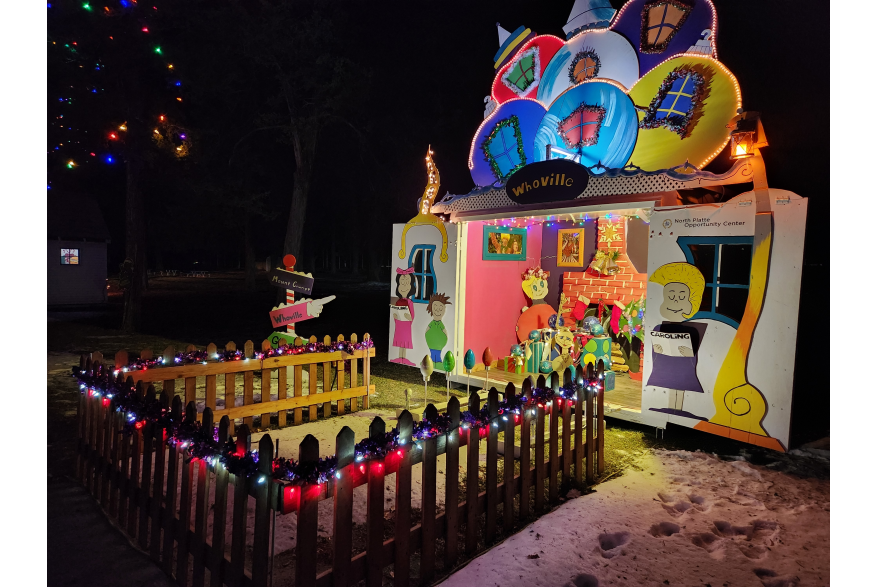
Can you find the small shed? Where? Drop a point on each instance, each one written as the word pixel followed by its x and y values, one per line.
pixel 76 251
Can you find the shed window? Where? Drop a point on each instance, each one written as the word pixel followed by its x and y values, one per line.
pixel 69 256
pixel 524 72
pixel 726 265
pixel 421 259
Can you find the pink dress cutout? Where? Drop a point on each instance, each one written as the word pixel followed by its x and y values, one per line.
pixel 402 333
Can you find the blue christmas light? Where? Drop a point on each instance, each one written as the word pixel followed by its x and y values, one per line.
pixel 109 159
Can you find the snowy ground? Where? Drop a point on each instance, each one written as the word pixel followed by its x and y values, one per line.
pixel 685 519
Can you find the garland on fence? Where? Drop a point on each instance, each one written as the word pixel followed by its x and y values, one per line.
pixel 190 357
pixel 202 443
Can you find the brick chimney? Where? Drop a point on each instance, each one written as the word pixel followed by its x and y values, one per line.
pixel 625 286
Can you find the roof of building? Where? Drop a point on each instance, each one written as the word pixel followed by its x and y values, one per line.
pixel 71 216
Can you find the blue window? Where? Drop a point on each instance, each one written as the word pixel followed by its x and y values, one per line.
pixel 421 259
pixel 726 264
pixel 678 99
pixel 504 148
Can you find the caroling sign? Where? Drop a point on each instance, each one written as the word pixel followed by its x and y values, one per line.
pixel 547 181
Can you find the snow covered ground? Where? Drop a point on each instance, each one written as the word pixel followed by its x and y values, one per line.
pixel 685 519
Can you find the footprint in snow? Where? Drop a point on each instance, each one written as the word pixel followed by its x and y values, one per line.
pixel 707 541
pixel 753 551
pixel 664 529
pixel 761 531
pixel 583 580
pixel 770 578
pixel 611 542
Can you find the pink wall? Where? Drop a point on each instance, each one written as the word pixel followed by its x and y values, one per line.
pixel 494 297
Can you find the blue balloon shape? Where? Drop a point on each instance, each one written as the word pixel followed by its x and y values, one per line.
pixel 534 335
pixel 469 360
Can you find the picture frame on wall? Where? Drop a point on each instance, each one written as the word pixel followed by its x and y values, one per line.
pixel 571 247
pixel 502 243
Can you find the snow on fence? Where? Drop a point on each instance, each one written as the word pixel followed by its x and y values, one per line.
pixel 275 374
pixel 164 502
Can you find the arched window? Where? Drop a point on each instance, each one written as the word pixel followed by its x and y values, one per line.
pixel 662 19
pixel 679 102
pixel 504 148
pixel 421 259
pixel 725 263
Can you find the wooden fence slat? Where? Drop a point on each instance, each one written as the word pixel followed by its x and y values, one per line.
pixel 230 383
pixel 158 486
pixel 82 421
pixel 589 430
pixel 312 391
pixel 472 442
pixel 508 443
pixel 553 462
pixel 124 472
pixel 402 564
pixel 366 373
pixel 565 438
pixel 239 514
pixel 375 513
pixel 297 385
pixel 354 380
pixel 452 482
pixel 134 481
pixel 524 508
pixel 146 472
pixel 108 465
pixel 188 474
pixel 339 379
pixel 539 487
pixel 199 563
pixel 190 390
pixel 170 508
pixel 492 459
pixel 265 418
pixel 249 379
pixel 580 404
pixel 600 420
pixel 220 500
pixel 287 404
pixel 281 395
pixel 306 528
pixel 428 499
pixel 342 533
pixel 327 381
pixel 93 443
pixel 115 471
pixel 262 521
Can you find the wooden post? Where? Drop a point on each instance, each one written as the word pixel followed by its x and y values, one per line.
pixel 219 512
pixel 524 508
pixel 210 382
pixel 339 371
pixel 312 391
pixel 249 378
pixel 265 418
pixel 375 513
pixel 492 436
pixel 230 381
pixel 565 438
pixel 589 428
pixel 342 533
pixel 134 482
pixel 402 563
pixel 600 421
pixel 452 482
pixel 282 386
pixel 553 462
pixel 296 387
pixel 472 443
pixel 354 377
pixel 146 471
pixel 199 562
pixel 427 503
pixel 508 463
pixel 539 488
pixel 366 371
pixel 158 485
pixel 239 515
pixel 306 529
pixel 327 381
pixel 262 522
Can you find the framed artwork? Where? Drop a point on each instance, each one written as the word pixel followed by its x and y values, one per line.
pixel 571 247
pixel 504 244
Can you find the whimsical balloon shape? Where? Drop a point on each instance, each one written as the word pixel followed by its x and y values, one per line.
pixel 688 102
pixel 516 351
pixel 592 122
pixel 469 360
pixel 534 335
pixel 504 141
pixel 487 357
pixel 426 367
pixel 449 362
pixel 521 76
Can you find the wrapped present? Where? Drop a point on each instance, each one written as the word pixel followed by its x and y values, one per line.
pixel 608 380
pixel 596 349
pixel 536 351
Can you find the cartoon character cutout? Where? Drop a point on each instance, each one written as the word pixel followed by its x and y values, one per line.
pixel 403 314
pixel 436 335
pixel 563 342
pixel 535 285
pixel 675 341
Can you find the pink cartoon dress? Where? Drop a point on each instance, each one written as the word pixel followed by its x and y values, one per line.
pixel 402 333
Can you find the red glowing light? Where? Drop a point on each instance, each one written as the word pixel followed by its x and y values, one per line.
pixel 138 425
pixel 362 468
pixel 105 402
pixel 145 30
pixel 399 453
pixel 113 135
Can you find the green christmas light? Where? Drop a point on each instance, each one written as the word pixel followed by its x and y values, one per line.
pixel 158 50
pixel 86 6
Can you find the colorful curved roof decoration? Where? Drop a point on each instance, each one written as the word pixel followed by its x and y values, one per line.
pixel 641 86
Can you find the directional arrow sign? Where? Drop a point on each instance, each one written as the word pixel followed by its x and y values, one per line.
pixel 303 310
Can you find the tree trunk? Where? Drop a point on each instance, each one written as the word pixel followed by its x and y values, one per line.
pixel 249 257
pixel 135 231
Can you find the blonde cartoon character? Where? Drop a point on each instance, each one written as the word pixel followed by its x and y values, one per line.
pixel 534 282
pixel 675 341
pixel 563 341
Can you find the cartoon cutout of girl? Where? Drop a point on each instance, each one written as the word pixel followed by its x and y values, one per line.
pixel 403 314
pixel 534 282
pixel 675 341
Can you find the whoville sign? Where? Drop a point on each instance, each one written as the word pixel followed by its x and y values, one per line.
pixel 547 181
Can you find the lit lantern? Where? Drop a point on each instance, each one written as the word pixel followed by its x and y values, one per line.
pixel 747 136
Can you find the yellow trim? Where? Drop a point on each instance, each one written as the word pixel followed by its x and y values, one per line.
pixel 511 48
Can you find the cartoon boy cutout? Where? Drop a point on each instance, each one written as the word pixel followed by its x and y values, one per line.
pixel 403 314
pixel 675 341
pixel 436 335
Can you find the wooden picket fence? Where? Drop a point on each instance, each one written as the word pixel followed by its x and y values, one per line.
pixel 161 498
pixel 339 385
